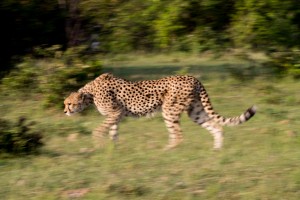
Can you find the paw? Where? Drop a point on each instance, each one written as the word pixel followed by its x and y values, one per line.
pixel 169 147
pixel 99 144
pixel 172 144
pixel 217 147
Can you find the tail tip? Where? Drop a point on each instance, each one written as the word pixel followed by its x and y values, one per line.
pixel 252 110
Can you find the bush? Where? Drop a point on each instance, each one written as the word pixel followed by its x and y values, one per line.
pixel 286 63
pixel 19 138
pixel 64 79
pixel 53 74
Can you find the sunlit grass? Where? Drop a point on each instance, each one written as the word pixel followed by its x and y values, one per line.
pixel 260 159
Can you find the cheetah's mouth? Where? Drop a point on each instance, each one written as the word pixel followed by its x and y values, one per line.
pixel 69 113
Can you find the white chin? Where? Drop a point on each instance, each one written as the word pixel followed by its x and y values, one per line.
pixel 69 114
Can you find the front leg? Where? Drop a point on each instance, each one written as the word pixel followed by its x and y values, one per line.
pixel 173 126
pixel 171 111
pixel 110 125
pixel 113 133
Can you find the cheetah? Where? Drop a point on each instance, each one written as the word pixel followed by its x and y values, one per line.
pixel 116 98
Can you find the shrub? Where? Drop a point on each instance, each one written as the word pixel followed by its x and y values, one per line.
pixel 286 62
pixel 53 74
pixel 19 138
pixel 65 79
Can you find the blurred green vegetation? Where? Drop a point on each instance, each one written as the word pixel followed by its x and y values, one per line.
pixel 244 51
pixel 260 159
pixel 285 63
pixel 53 76
pixel 19 138
pixel 122 26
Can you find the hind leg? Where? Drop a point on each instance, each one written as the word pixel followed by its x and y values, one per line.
pixel 199 116
pixel 216 131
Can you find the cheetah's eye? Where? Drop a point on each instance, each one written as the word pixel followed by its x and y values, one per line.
pixel 69 104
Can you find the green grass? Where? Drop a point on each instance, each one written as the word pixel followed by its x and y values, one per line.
pixel 260 159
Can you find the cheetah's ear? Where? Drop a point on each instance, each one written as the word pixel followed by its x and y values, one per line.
pixel 81 97
pixel 86 97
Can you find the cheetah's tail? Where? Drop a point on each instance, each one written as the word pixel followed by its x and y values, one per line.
pixel 250 112
pixel 223 121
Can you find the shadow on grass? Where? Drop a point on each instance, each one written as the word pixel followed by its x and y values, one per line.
pixel 50 153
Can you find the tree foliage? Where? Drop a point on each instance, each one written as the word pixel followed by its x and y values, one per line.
pixel 25 24
pixel 266 24
pixel 115 26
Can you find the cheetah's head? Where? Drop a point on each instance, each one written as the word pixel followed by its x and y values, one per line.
pixel 76 102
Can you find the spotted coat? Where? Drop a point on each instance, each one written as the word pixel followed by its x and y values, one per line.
pixel 116 98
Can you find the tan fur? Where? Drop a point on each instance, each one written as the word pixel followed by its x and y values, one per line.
pixel 116 98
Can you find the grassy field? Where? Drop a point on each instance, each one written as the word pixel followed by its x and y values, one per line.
pixel 260 159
